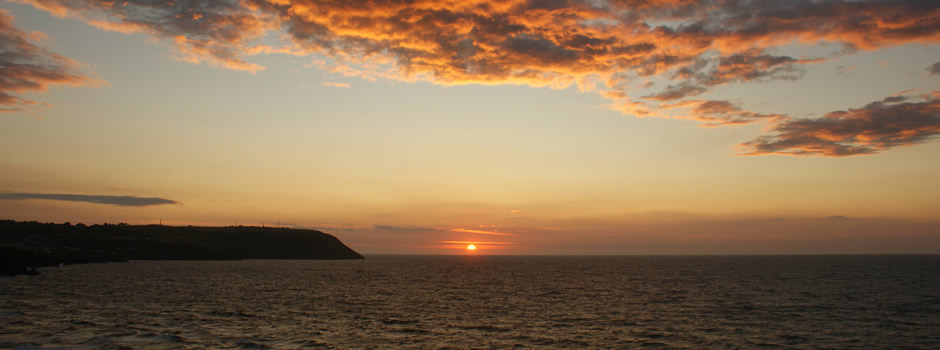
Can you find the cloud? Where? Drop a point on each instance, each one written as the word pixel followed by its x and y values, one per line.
pixel 477 244
pixel 858 24
pixel 474 242
pixel 25 67
pixel 719 112
pixel 493 233
pixel 404 228
pixel 217 32
pixel 675 92
pixel 751 65
pixel 895 121
pixel 124 201
pixel 703 43
pixel 369 227
pixel 335 84
pixel 343 227
pixel 934 69
pixel 846 71
pixel 609 47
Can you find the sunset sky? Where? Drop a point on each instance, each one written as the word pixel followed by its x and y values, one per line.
pixel 523 127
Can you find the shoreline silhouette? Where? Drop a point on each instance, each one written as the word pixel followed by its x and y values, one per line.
pixel 26 246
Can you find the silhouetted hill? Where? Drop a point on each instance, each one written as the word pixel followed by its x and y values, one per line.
pixel 26 245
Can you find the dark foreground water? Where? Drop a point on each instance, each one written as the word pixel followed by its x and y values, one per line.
pixel 481 302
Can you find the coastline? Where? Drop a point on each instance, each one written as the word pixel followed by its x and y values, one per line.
pixel 27 246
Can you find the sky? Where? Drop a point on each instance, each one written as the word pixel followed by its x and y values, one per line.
pixel 522 127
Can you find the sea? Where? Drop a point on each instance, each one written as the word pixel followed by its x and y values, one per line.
pixel 480 302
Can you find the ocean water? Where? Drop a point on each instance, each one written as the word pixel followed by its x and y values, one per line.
pixel 480 302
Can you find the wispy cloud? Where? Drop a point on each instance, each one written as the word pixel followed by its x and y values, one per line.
pixel 124 201
pixel 846 71
pixel 751 65
pixel 493 233
pixel 474 242
pixel 25 67
pixel 335 84
pixel 719 112
pixel 217 32
pixel 370 227
pixel 342 227
pixel 404 228
pixel 478 244
pixel 934 69
pixel 895 121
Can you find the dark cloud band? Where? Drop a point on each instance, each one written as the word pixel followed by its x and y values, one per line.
pixel 124 201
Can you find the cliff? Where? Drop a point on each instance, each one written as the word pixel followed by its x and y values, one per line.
pixel 26 245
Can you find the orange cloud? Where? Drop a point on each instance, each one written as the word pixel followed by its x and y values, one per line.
pixel 895 121
pixel 26 67
pixel 599 46
pixel 504 41
pixel 539 43
pixel 216 32
pixel 335 84
pixel 474 242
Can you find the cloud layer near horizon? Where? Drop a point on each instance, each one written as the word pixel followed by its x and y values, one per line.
pixel 611 47
pixel 671 233
pixel 124 201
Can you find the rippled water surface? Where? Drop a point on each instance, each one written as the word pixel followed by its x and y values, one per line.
pixel 481 302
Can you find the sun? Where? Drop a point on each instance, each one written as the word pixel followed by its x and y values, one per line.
pixel 471 247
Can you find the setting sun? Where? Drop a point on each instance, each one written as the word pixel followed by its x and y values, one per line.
pixel 471 247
